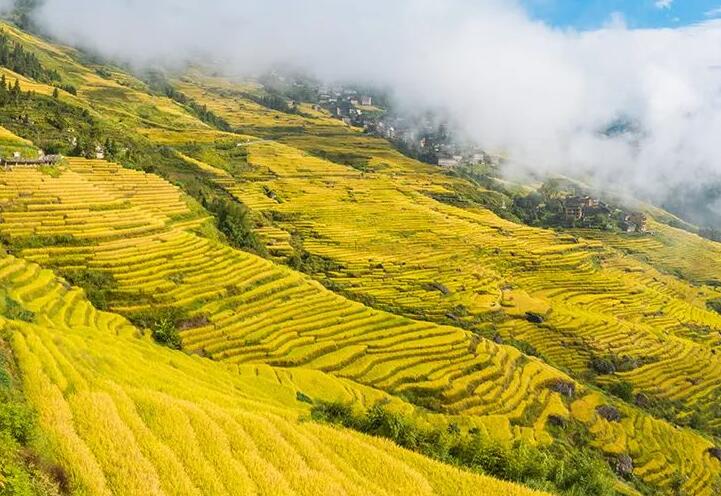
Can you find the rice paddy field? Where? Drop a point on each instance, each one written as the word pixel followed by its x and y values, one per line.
pixel 395 246
pixel 251 312
pixel 127 417
pixel 445 311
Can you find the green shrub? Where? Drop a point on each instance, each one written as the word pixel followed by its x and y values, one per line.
pixel 98 285
pixel 525 347
pixel 233 220
pixel 304 398
pixel 16 420
pixel 163 323
pixel 602 366
pixel 22 472
pixel 714 305
pixel 165 332
pixel 621 389
pixel 13 310
pixel 612 363
pixel 564 467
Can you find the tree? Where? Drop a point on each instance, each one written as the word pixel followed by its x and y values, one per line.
pixel 110 148
pixel 16 92
pixel 4 95
pixel 551 189
pixel 17 59
pixel 233 220
pixel 56 93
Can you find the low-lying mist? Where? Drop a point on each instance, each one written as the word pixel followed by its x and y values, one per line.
pixel 542 95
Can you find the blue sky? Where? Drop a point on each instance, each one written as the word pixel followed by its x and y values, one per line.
pixel 590 14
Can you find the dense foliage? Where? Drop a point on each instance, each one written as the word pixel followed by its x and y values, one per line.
pixel 563 469
pixel 276 102
pixel 52 124
pixel 98 285
pixel 163 324
pixel 233 220
pixel 10 93
pixel 201 111
pixel 17 59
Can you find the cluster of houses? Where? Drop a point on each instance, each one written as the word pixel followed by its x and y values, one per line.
pixel 422 136
pixel 470 156
pixel 579 208
pixel 344 103
pixel 18 160
pixel 429 141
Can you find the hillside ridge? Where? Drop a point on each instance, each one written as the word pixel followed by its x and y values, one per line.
pixel 307 257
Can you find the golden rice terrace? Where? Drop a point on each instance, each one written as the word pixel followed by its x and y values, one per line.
pixel 177 309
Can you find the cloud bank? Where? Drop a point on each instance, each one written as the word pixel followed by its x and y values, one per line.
pixel 5 6
pixel 543 95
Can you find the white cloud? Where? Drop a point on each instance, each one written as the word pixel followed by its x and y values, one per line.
pixel 616 20
pixel 6 5
pixel 509 82
pixel 663 4
pixel 713 12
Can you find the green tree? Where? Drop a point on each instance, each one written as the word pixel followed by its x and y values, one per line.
pixel 16 92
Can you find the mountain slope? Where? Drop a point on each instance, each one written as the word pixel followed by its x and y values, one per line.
pixel 437 281
pixel 125 416
pixel 247 310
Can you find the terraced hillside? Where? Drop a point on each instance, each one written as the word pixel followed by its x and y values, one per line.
pixel 396 246
pixel 413 284
pixel 125 416
pixel 242 308
pixel 246 310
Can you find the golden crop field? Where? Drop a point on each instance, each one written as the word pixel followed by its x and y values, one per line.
pixel 401 306
pixel 125 416
pixel 256 311
pixel 480 262
pixel 483 264
pixel 253 311
pixel 395 245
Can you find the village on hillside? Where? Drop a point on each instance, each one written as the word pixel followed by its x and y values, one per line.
pixel 425 137
pixel 586 209
pixel 568 206
pixel 422 137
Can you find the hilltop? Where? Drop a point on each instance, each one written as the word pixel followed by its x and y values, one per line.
pixel 209 295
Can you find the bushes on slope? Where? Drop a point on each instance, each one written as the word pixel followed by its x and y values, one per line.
pixel 164 324
pixel 233 220
pixel 13 310
pixel 98 285
pixel 562 468
pixel 17 59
